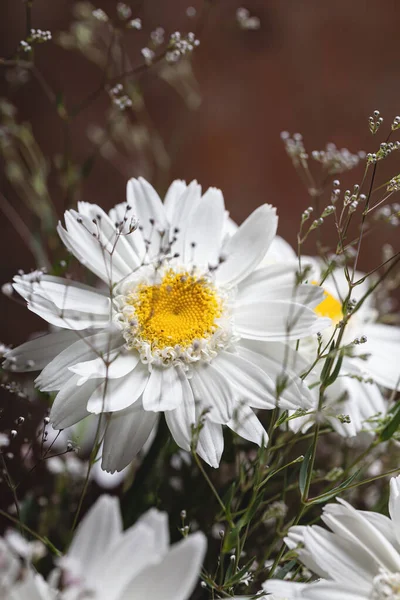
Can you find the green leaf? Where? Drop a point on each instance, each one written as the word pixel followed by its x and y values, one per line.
pixel 283 571
pixel 304 470
pixel 390 429
pixel 335 491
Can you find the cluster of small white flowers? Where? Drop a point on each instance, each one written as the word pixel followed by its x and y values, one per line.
pixel 37 35
pixel 135 24
pixel 25 46
pixel 306 214
pixel 100 15
pixel 148 55
pixel 352 199
pixel 119 98
pixel 394 184
pixel 396 123
pixel 294 147
pixel 389 213
pixel 246 21
pixel 123 11
pixel 158 36
pixel 335 160
pixel 180 46
pixel 375 121
pixel 384 150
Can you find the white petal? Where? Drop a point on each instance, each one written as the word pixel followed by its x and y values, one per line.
pixel 117 394
pixel 277 320
pixel 81 238
pixel 211 443
pixel 212 390
pixel 64 304
pixel 163 390
pixel 284 589
pixel 131 555
pixel 175 577
pixel 126 433
pixel 171 200
pixel 394 505
pixel 158 523
pixel 245 423
pixel 204 230
pixel 351 524
pixel 254 386
pixel 384 345
pixel 149 209
pixel 32 586
pixel 282 365
pixel 57 373
pixel 181 419
pixel 179 213
pixel 36 354
pixel 97 532
pixel 247 247
pixel 120 364
pixel 69 405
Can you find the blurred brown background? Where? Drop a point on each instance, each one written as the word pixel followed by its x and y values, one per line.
pixel 318 67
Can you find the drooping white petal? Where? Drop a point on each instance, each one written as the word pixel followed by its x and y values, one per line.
pixel 176 575
pixel 212 390
pixel 57 372
pixel 117 394
pixel 97 532
pixel 181 419
pixel 247 247
pixel 36 354
pixel 113 366
pixel 163 390
pixel 203 232
pixel 282 365
pixel 69 405
pixel 210 443
pixel 126 433
pixel 245 423
pixel 62 303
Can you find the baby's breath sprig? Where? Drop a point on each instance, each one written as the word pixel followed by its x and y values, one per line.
pixel 375 121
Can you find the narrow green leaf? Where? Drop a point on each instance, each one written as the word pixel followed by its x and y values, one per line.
pixel 335 491
pixel 390 429
pixel 304 470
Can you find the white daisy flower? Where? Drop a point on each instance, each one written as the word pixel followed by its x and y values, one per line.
pixel 106 563
pixel 189 327
pixel 356 391
pixel 359 559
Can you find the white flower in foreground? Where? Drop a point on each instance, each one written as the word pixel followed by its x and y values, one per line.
pixel 32 587
pixel 189 327
pixel 105 563
pixel 359 559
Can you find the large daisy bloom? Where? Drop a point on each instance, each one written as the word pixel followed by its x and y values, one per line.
pixel 359 559
pixel 187 327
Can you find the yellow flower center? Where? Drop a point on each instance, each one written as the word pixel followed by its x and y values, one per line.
pixel 329 307
pixel 178 311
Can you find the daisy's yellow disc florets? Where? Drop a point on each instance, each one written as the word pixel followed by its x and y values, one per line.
pixel 179 310
pixel 330 307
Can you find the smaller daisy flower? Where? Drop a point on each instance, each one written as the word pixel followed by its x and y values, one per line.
pixel 359 559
